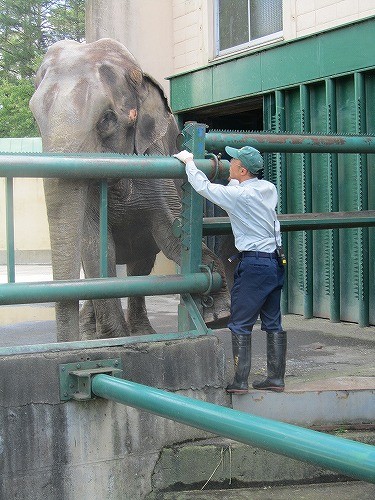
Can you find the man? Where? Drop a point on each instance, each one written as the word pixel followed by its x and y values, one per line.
pixel 259 276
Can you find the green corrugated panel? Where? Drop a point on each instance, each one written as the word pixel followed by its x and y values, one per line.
pixel 321 203
pixel 295 204
pixel 348 200
pixel 370 125
pixel 340 267
pixel 21 145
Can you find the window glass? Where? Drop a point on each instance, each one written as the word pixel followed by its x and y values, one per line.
pixel 233 23
pixel 241 23
pixel 265 17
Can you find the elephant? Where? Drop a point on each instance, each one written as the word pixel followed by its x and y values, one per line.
pixel 95 98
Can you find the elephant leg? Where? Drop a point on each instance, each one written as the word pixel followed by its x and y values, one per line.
pixel 107 313
pixel 137 318
pixel 65 201
pixel 87 322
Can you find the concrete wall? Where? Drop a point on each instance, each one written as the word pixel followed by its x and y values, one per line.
pixel 31 234
pixel 97 449
pixel 144 27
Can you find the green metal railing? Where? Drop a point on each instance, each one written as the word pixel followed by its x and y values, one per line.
pixel 95 288
pixel 345 456
pixel 272 142
pixel 117 166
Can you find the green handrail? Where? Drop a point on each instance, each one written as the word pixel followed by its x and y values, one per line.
pixel 94 288
pixel 274 142
pixel 345 456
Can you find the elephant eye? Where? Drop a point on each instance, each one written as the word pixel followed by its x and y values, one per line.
pixel 107 123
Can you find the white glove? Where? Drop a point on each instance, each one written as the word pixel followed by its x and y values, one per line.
pixel 184 156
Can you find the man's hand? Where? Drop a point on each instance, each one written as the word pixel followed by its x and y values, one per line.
pixel 184 156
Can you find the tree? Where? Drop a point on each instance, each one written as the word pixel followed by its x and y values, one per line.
pixel 27 29
pixel 16 119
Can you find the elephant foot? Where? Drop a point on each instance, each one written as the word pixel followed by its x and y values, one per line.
pixel 217 314
pixel 141 328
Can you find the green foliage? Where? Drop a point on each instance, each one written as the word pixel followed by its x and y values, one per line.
pixel 27 29
pixel 16 119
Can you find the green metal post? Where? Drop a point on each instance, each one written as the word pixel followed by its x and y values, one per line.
pixel 281 186
pixel 342 455
pixel 10 230
pixel 334 250
pixel 191 220
pixel 103 230
pixel 307 206
pixel 363 233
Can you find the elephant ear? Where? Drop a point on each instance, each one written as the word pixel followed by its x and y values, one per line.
pixel 156 128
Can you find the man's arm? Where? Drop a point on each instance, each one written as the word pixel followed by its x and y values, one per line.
pixel 224 196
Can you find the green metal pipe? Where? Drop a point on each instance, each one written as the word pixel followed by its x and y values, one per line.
pixel 10 230
pixel 300 222
pixel 52 291
pixel 342 455
pixel 103 166
pixel 291 143
pixel 103 228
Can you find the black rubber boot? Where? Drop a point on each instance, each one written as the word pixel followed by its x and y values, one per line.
pixel 276 360
pixel 241 346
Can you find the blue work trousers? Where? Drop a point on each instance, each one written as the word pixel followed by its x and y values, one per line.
pixel 256 292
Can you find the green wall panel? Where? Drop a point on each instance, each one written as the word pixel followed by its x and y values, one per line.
pixel 226 86
pixel 288 64
pixel 192 88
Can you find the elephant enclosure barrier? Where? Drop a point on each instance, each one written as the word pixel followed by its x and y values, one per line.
pixel 191 226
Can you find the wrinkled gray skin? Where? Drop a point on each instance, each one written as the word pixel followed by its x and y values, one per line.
pixel 95 98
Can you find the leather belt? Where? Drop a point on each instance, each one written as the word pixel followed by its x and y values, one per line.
pixel 252 253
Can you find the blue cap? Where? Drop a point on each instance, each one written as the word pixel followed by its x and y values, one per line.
pixel 250 158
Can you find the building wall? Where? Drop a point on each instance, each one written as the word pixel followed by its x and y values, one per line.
pixel 193 30
pixel 144 27
pixel 31 235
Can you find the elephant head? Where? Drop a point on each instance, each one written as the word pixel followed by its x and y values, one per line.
pixel 95 98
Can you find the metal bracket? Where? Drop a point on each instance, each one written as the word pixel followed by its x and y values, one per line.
pixel 195 314
pixel 75 378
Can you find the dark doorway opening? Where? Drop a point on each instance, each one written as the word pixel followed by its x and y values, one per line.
pixel 244 115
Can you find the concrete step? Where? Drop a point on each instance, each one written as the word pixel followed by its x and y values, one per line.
pixel 220 463
pixel 319 403
pixel 352 490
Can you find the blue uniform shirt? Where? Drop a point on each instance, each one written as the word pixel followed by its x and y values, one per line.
pixel 250 206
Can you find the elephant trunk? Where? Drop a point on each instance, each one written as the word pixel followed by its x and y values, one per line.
pixel 66 201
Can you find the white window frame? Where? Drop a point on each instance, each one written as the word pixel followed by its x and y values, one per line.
pixel 247 45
